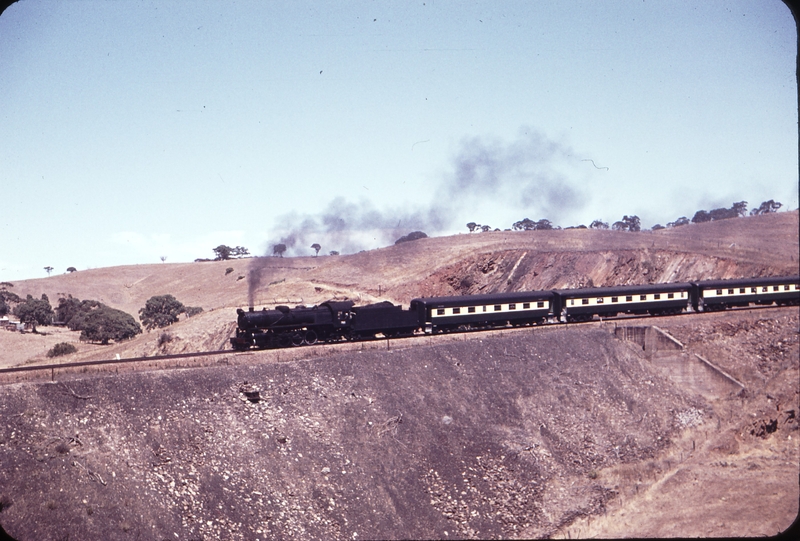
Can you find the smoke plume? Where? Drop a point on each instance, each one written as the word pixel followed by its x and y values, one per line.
pixel 531 175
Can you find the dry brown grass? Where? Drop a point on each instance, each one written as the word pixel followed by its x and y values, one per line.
pixel 400 272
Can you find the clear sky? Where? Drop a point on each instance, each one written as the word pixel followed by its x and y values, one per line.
pixel 132 130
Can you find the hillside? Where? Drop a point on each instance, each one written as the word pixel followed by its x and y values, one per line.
pixel 555 431
pixel 460 264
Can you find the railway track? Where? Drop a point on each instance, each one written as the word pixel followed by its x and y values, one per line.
pixel 135 360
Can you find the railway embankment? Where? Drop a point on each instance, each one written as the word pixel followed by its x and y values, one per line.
pixel 437 441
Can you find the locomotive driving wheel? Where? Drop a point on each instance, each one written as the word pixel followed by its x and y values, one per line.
pixel 310 338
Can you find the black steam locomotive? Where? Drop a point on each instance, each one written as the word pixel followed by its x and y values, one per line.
pixel 341 321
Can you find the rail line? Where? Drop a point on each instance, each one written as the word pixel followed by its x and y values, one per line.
pixel 133 360
pixel 130 360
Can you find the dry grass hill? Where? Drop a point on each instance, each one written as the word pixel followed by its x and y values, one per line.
pixel 557 431
pixel 461 264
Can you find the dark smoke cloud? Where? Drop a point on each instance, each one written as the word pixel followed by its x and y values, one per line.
pixel 529 175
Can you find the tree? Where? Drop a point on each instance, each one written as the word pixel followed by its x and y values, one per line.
pixel 316 247
pixel 69 307
pixel 279 249
pixel 485 228
pixel 334 252
pixel 599 224
pixel 740 208
pixel 657 227
pixel 161 311
pixel 633 223
pixel 767 207
pixel 543 225
pixel 163 258
pixel 411 236
pixel 683 220
pixel 96 321
pixel 722 214
pixel 471 226
pixel 35 311
pixel 72 269
pixel 7 297
pixel 223 252
pixel 49 269
pixel 526 224
pixel 104 323
pixel 239 251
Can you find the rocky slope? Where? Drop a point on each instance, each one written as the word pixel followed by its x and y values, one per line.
pixel 489 437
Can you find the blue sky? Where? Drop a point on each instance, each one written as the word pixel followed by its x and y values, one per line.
pixel 133 130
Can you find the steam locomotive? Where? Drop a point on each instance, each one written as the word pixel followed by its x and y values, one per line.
pixel 336 321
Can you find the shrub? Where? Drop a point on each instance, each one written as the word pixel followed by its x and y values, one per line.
pixel 165 338
pixel 411 236
pixel 63 348
pixel 228 271
pixel 192 311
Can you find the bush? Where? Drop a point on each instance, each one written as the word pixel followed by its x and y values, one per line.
pixel 192 311
pixel 161 311
pixel 63 348
pixel 165 338
pixel 411 236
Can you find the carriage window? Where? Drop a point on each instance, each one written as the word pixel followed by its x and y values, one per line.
pixel 730 292
pixel 456 310
pixel 497 307
pixel 471 309
pixel 512 306
pixel 775 288
pixel 657 296
pixel 741 290
pixel 526 305
pixel 584 301
pixel 629 298
pixel 572 302
pixel 484 308
pixel 642 297
pixel 753 290
pixel 670 295
pixel 719 292
pixel 600 300
pixel 540 304
pixel 614 299
pixel 440 312
pixel 786 288
pixel 763 289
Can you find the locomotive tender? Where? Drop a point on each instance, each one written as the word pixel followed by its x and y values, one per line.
pixel 336 321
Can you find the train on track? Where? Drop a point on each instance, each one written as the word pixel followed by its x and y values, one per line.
pixel 337 321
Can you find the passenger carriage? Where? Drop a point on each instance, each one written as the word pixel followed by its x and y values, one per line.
pixel 715 295
pixel 657 299
pixel 480 311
